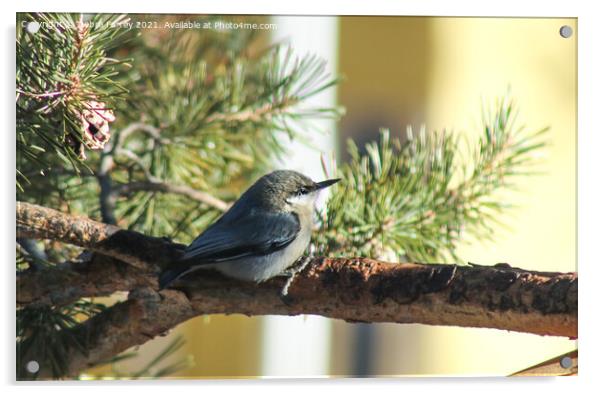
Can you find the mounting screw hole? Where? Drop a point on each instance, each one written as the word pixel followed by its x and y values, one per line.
pixel 566 31
pixel 566 362
pixel 32 366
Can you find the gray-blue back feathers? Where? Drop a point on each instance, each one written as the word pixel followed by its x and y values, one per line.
pixel 257 226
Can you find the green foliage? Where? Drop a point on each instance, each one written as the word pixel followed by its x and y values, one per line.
pixel 223 126
pixel 61 69
pixel 205 110
pixel 45 335
pixel 420 198
pixel 199 115
pixel 156 367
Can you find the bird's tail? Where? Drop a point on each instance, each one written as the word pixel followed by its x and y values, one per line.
pixel 172 273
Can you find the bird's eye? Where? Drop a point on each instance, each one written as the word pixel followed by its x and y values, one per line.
pixel 302 191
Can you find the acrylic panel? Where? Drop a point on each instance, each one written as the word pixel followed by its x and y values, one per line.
pixel 155 240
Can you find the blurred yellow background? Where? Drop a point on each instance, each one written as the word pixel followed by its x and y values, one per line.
pixel 437 72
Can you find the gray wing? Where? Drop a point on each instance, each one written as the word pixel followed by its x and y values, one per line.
pixel 253 235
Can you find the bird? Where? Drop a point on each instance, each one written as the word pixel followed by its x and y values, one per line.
pixel 262 234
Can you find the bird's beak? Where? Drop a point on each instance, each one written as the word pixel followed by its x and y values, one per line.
pixel 323 184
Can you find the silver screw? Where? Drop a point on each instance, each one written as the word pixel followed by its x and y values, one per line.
pixel 32 366
pixel 33 27
pixel 566 31
pixel 566 362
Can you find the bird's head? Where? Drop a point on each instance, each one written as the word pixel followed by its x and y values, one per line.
pixel 290 190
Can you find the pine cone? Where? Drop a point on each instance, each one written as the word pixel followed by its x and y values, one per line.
pixel 95 126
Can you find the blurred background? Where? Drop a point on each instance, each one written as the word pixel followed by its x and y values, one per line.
pixel 417 71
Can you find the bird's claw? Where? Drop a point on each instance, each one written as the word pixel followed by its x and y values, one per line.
pixel 291 273
pixel 297 266
pixel 286 298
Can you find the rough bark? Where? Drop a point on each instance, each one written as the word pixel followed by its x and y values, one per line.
pixel 355 289
pixel 62 285
pixel 139 250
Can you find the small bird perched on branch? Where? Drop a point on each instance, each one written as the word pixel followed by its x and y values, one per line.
pixel 265 232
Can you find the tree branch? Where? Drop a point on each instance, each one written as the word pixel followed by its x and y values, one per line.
pixel 70 281
pixel 107 198
pixel 254 115
pixel 164 187
pixel 564 365
pixel 355 289
pixel 139 250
